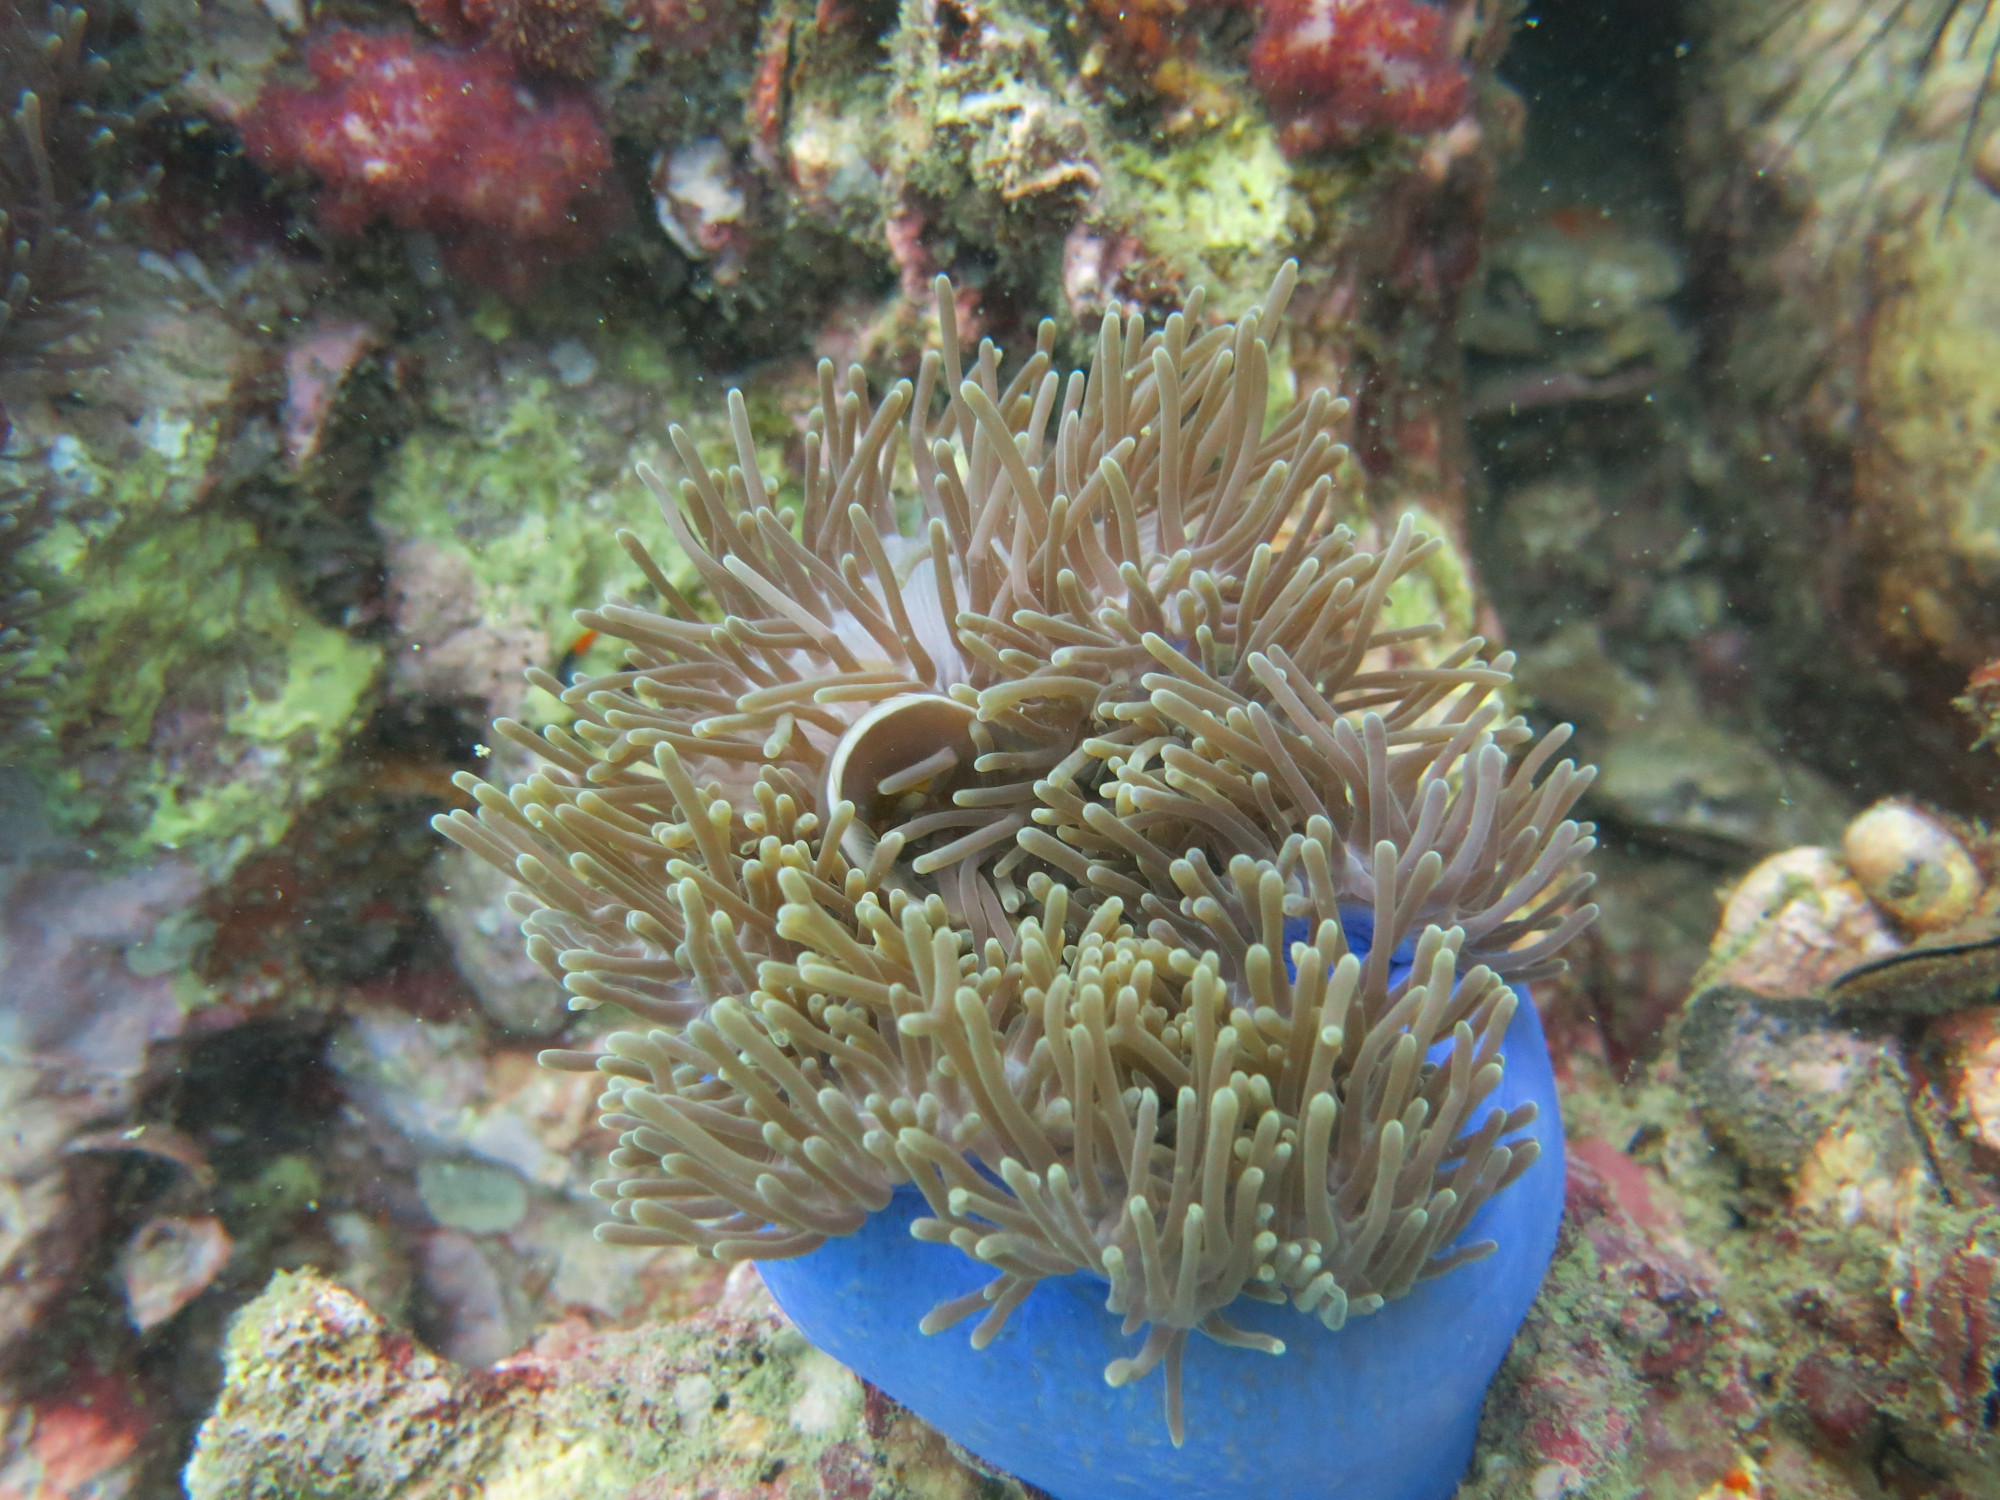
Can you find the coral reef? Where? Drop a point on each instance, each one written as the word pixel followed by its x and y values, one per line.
pixel 316 512
pixel 300 506
pixel 441 141
pixel 876 1002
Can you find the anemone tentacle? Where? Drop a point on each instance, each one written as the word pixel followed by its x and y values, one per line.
pixel 1052 826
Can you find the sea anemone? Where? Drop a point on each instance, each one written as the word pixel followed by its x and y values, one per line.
pixel 49 217
pixel 50 220
pixel 1051 872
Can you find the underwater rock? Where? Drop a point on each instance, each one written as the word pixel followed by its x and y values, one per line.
pixel 486 1159
pixel 469 901
pixel 94 969
pixel 1795 924
pixel 1682 777
pixel 501 513
pixel 1772 1081
pixel 1572 307
pixel 1856 356
pixel 455 644
pixel 1677 772
pixel 319 1392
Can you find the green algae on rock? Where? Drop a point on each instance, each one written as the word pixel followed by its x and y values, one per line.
pixel 196 698
pixel 200 702
pixel 511 497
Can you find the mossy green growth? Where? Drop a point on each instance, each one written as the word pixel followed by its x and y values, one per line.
pixel 198 703
pixel 1218 207
pixel 529 487
pixel 1439 588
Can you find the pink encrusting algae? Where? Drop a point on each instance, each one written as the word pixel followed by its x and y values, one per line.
pixel 444 141
pixel 1336 71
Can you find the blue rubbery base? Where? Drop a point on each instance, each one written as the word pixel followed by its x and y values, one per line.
pixel 1385 1409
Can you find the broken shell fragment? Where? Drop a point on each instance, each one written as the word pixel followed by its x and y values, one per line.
pixel 1912 866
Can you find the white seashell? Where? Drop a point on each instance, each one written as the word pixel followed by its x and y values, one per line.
pixel 1912 866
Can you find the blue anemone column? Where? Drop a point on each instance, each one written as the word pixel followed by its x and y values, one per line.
pixel 1384 1409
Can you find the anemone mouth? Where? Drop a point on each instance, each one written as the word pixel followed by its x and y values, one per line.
pixel 899 764
pixel 1011 859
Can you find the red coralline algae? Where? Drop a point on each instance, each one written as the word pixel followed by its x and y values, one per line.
pixel 439 140
pixel 1334 71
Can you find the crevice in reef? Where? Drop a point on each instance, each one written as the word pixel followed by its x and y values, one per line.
pixel 1595 515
